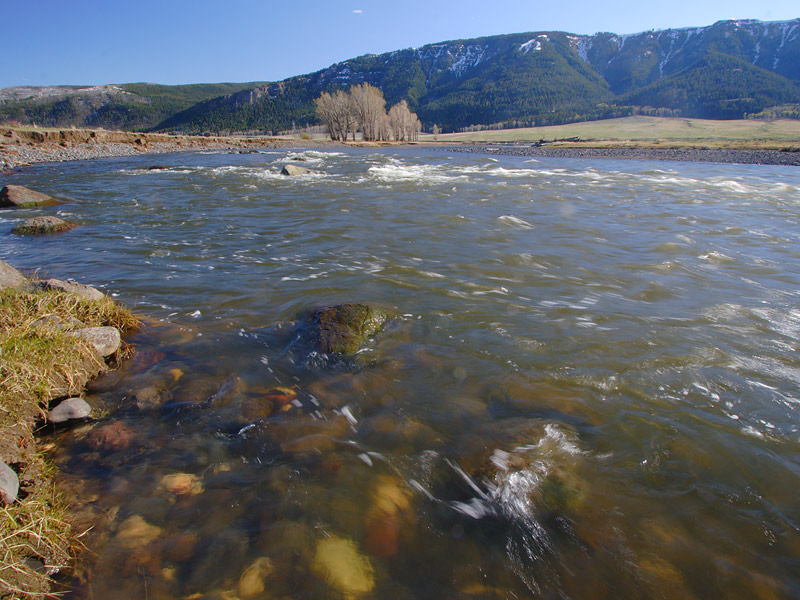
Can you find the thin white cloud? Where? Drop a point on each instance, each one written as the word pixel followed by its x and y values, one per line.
pixel 358 11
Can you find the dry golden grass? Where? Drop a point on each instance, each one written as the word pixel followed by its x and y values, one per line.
pixel 35 530
pixel 650 132
pixel 39 363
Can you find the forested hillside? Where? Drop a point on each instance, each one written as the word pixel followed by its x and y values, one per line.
pixel 131 106
pixel 728 70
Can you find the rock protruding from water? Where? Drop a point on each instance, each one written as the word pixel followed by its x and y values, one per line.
pixel 72 287
pixel 69 410
pixel 43 226
pixel 9 484
pixel 16 196
pixel 10 277
pixel 106 340
pixel 292 170
pixel 342 329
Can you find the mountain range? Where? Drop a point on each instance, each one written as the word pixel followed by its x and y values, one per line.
pixel 730 69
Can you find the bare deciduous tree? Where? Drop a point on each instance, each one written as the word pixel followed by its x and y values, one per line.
pixel 336 111
pixel 405 124
pixel 369 107
pixel 364 107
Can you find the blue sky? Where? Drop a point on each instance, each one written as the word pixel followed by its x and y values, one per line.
pixel 57 42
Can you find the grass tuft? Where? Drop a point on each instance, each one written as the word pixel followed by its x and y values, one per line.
pixel 39 363
pixel 35 543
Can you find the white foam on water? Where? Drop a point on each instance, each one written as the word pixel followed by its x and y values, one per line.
pixel 316 154
pixel 394 173
pixel 305 278
pixel 308 157
pixel 514 491
pixel 514 221
pixel 432 274
pixel 348 414
pixel 716 256
pixel 267 175
pixel 752 431
pixel 733 186
pixel 215 171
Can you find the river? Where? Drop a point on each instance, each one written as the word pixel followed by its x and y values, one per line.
pixel 588 386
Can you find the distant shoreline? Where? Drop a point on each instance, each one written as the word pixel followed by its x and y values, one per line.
pixel 714 155
pixel 26 146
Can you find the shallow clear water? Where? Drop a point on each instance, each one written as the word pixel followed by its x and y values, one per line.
pixel 588 388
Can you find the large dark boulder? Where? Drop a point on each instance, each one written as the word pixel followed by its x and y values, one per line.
pixel 342 329
pixel 16 196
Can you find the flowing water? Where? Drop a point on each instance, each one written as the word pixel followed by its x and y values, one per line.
pixel 588 387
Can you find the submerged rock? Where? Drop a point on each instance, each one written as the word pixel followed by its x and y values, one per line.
pixel 281 398
pixel 9 484
pixel 343 328
pixel 291 170
pixel 135 532
pixel 181 484
pixel 43 226
pixel 339 562
pixel 72 287
pixel 251 582
pixel 388 516
pixel 69 410
pixel 10 277
pixel 111 437
pixel 198 391
pixel 17 196
pixel 180 547
pixel 106 340
pixel 148 397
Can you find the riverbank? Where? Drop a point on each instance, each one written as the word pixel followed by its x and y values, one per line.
pixel 24 146
pixel 49 352
pixel 20 147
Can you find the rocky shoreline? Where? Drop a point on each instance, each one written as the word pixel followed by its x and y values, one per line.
pixel 715 155
pixel 55 337
pixel 22 147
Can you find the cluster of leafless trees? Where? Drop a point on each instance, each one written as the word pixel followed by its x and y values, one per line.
pixel 363 109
